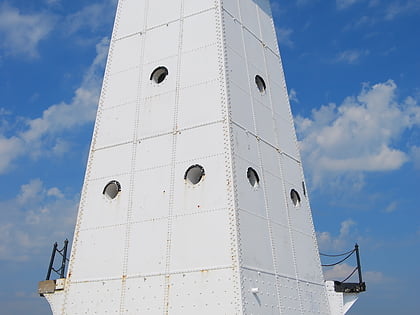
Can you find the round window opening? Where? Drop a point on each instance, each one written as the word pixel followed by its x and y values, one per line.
pixel 294 195
pixel 259 81
pixel 194 174
pixel 112 189
pixel 253 178
pixel 159 75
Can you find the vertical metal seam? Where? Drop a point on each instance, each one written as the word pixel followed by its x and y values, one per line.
pixel 167 279
pixel 140 87
pixel 234 224
pixel 267 206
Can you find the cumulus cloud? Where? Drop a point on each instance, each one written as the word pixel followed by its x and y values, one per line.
pixel 344 4
pixel 284 37
pixel 360 135
pixel 351 56
pixel 342 241
pixel 36 137
pixel 91 17
pixel 30 220
pixel 20 34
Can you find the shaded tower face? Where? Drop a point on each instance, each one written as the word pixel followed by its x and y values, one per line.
pixel 194 200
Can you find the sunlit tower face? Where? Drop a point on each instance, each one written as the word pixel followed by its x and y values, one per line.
pixel 193 200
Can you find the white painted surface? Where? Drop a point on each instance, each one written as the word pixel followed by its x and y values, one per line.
pixel 167 246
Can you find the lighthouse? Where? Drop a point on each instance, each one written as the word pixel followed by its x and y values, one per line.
pixel 194 199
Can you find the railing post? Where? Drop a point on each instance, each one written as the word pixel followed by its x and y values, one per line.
pixel 64 254
pixel 359 268
pixel 51 261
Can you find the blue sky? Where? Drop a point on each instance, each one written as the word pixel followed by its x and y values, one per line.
pixel 352 69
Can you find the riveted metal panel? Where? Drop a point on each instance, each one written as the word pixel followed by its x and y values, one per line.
pixel 250 198
pixel 254 51
pixel 270 156
pixel 260 293
pixel 246 145
pixel 314 300
pixel 292 172
pixel 127 23
pixel 194 143
pixel 289 296
pixel 162 12
pixel 93 259
pixel 284 251
pixel 147 248
pixel 207 36
pixel 275 74
pixel 256 245
pixel 265 122
pixel 121 88
pixel 232 7
pixel 199 66
pixel 199 105
pixel 150 88
pixel 276 199
pixel 307 258
pixel 161 43
pixel 194 6
pixel 237 69
pixel 202 292
pixel 248 12
pixel 111 161
pixel 107 298
pixel 129 48
pixel 157 115
pixel 118 125
pixel 241 107
pixel 190 198
pixel 268 33
pixel 143 295
pixel 149 204
pixel 234 34
pixel 200 241
pixel 147 157
pixel 100 211
pixel 286 138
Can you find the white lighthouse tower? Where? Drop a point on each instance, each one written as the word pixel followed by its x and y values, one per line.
pixel 194 200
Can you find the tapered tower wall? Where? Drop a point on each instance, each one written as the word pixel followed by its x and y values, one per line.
pixel 233 243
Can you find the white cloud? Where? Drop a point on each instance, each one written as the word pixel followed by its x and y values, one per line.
pixel 293 96
pixel 358 136
pixel 346 236
pixel 339 272
pixel 344 4
pixel 342 271
pixel 40 132
pixel 30 220
pixel 91 17
pixel 351 56
pixel 415 154
pixel 398 8
pixel 284 37
pixel 20 34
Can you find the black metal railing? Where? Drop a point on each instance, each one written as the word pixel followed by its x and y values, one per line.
pixel 344 286
pixel 63 253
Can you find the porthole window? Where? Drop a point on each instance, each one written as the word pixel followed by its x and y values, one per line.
pixel 159 75
pixel 294 195
pixel 194 174
pixel 259 81
pixel 253 178
pixel 112 189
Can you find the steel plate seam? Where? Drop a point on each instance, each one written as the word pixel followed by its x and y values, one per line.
pixel 167 279
pixel 229 161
